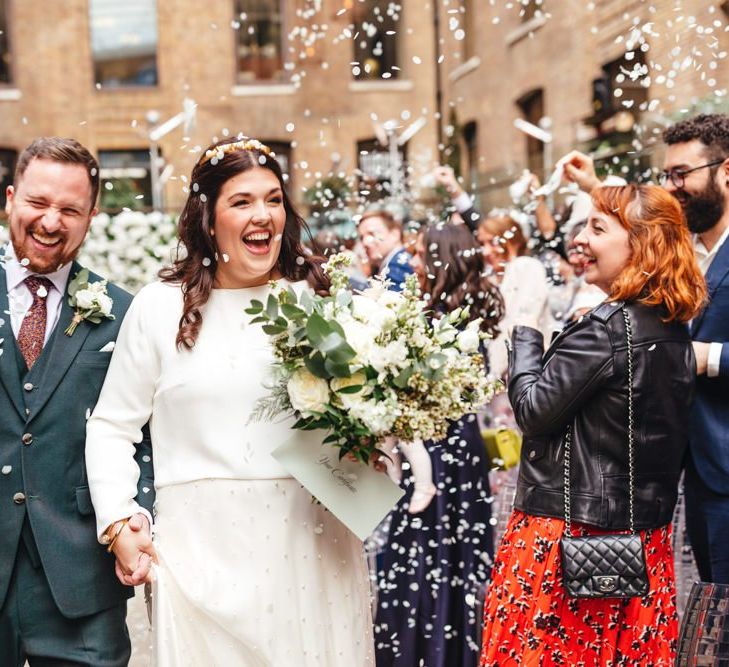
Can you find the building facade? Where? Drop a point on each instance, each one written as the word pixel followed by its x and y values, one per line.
pixel 328 83
pixel 315 79
pixel 603 76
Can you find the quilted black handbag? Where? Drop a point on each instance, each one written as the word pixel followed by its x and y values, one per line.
pixel 604 566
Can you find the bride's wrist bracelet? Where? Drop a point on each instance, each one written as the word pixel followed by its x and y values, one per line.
pixel 116 528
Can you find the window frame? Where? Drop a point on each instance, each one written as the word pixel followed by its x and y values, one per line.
pixel 100 86
pixel 284 78
pixel 396 73
pixel 9 22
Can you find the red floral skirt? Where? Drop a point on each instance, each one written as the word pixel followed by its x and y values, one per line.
pixel 529 619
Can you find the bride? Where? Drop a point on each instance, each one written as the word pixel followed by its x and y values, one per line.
pixel 250 572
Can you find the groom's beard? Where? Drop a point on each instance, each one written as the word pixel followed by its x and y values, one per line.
pixel 703 210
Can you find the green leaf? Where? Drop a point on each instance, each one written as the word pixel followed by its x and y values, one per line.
pixel 338 370
pixel 292 312
pixel 317 329
pixel 316 366
pixel 401 381
pixel 307 302
pixel 352 389
pixel 258 320
pixel 272 307
pixel 273 329
pixel 255 307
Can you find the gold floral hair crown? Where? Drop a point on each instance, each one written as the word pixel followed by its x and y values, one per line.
pixel 244 144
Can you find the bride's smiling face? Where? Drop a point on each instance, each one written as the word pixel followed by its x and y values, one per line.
pixel 249 224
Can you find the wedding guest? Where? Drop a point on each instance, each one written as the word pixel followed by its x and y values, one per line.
pixel 522 282
pixel 381 235
pixel 696 173
pixel 639 253
pixel 435 562
pixel 251 572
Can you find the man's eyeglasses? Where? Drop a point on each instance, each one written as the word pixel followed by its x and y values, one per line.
pixel 678 176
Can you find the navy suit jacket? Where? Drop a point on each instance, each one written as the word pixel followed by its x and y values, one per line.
pixel 43 415
pixel 709 432
pixel 397 269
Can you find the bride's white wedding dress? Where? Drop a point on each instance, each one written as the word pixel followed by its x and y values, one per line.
pixel 251 573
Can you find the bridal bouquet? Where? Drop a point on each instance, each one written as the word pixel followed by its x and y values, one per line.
pixel 367 366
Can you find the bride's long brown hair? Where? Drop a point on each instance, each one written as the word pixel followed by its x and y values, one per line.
pixel 194 269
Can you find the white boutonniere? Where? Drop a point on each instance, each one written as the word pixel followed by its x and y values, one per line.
pixel 90 301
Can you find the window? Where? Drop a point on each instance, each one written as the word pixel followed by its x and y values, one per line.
pixel 260 55
pixel 126 179
pixel 530 9
pixel 532 109
pixel 5 76
pixel 8 159
pixel 375 39
pixel 620 87
pixel 470 139
pixel 124 42
pixel 376 168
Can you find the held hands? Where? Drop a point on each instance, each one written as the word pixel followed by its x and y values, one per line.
pixel 580 168
pixel 134 552
pixel 420 466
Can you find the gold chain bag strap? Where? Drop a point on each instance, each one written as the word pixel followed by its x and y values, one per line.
pixel 605 566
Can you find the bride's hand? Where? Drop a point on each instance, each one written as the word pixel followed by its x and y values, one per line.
pixel 134 552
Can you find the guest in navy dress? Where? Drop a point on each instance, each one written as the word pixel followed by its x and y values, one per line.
pixel 435 562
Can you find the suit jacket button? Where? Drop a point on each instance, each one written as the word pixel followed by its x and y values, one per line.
pixel 19 498
pixel 28 386
pixel 27 438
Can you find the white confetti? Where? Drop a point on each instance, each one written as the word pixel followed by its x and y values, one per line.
pixel 6 470
pixel 206 261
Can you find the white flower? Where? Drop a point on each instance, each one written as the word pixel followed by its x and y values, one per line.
pixel 468 340
pixel 370 311
pixel 105 303
pixel 85 299
pixel 361 338
pixel 307 392
pixel 391 356
pixel 348 400
pixel 377 416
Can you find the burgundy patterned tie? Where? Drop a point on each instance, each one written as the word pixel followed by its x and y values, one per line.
pixel 33 329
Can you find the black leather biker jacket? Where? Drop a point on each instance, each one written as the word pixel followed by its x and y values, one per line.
pixel 582 380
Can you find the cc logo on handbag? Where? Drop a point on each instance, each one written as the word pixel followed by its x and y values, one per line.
pixel 606 584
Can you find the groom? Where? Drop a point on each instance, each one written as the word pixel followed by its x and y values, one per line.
pixel 60 603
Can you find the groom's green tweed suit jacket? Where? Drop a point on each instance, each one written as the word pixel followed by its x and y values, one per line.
pixel 43 417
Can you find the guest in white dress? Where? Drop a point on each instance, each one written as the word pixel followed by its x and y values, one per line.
pixel 249 571
pixel 522 282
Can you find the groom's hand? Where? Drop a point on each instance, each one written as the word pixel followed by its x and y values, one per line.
pixel 134 552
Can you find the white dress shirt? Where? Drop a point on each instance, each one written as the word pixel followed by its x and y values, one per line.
pixel 705 258
pixel 20 298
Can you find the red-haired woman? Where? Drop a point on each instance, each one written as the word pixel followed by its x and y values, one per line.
pixel 251 572
pixel 639 252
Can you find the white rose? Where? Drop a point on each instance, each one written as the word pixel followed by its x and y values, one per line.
pixel 361 338
pixel 307 392
pixel 359 378
pixel 468 341
pixel 85 299
pixel 105 303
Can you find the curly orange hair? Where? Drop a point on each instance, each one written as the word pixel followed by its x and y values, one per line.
pixel 662 268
